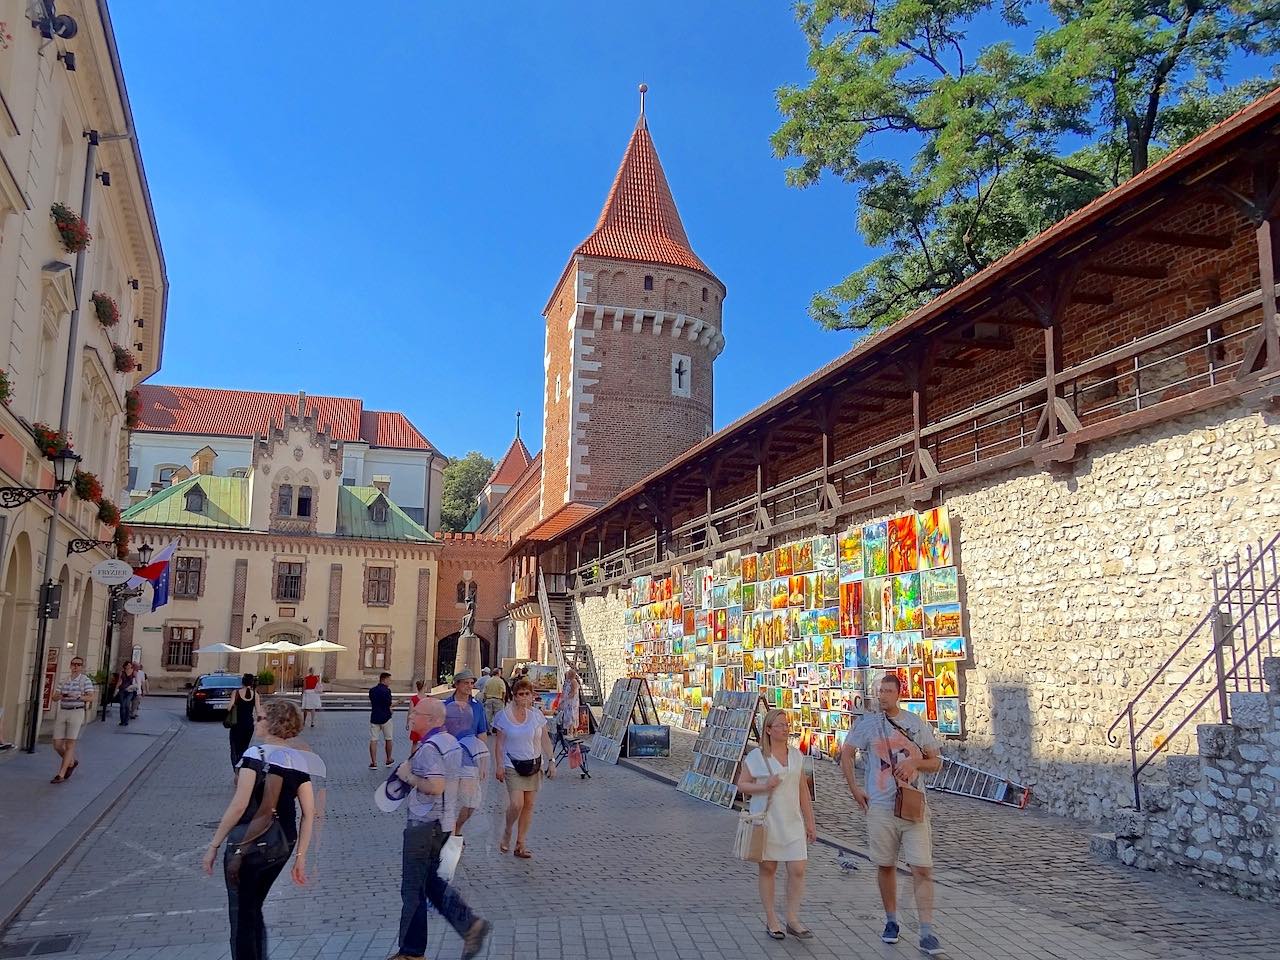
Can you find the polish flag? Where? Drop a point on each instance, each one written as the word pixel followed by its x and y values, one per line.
pixel 157 574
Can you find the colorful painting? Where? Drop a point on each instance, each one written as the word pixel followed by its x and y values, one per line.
pixel 948 678
pixel 802 556
pixel 935 538
pixel 942 620
pixel 861 653
pixel 721 625
pixel 851 609
pixel 915 683
pixel 940 586
pixel 904 547
pixel 765 569
pixel 875 549
pixel 735 592
pixel 877 605
pixel 931 700
pixel 830 586
pixel 795 598
pixel 824 553
pixel 949 716
pixel 948 648
pixel 782 561
pixel 734 558
pixel 750 568
pixel 812 591
pixel 918 707
pixel 849 555
pixel 720 596
pixel 781 593
pixel 748 596
pixel 907 612
pixel 828 619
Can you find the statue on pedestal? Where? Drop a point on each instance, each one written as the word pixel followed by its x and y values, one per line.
pixel 468 655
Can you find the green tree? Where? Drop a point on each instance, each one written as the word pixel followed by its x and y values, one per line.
pixel 464 479
pixel 961 150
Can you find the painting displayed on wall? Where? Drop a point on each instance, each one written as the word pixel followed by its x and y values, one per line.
pixel 904 547
pixel 907 612
pixel 851 609
pixel 949 716
pixel 942 620
pixel 875 550
pixel 849 555
pixel 940 586
pixel 782 561
pixel 935 539
pixel 948 679
pixel 948 648
pixel 750 568
pixel 824 553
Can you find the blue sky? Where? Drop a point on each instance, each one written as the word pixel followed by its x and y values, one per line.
pixel 379 207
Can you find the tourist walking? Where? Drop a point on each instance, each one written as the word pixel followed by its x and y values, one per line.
pixel 312 687
pixel 380 702
pixel 495 693
pixel 476 728
pixel 73 699
pixel 261 826
pixel 567 716
pixel 900 745
pixel 432 771
pixel 522 749
pixel 140 689
pixel 126 689
pixel 243 714
pixel 773 777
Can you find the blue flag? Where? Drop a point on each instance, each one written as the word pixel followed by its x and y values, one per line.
pixel 160 594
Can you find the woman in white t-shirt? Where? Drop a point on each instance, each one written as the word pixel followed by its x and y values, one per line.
pixel 773 777
pixel 522 750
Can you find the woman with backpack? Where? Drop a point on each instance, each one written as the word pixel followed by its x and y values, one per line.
pixel 261 825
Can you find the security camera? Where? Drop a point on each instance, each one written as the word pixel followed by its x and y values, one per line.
pixel 64 27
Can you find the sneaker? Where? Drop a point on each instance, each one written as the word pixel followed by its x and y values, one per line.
pixel 473 942
pixel 890 934
pixel 930 945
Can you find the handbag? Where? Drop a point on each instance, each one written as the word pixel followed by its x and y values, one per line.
pixel 527 768
pixel 753 835
pixel 263 839
pixel 229 720
pixel 575 757
pixel 908 801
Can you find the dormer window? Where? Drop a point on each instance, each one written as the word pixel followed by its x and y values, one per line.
pixel 195 500
pixel 378 511
pixel 304 501
pixel 284 500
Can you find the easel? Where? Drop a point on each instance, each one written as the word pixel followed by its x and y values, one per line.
pixel 721 745
pixel 629 702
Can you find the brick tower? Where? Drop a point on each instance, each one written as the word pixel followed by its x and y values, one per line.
pixel 633 331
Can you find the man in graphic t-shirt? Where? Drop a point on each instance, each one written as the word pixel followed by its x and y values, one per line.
pixel 898 746
pixel 380 719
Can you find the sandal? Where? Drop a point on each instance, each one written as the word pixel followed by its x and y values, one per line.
pixel 799 932
pixel 522 853
pixel 775 934
pixel 505 846
pixel 58 778
pixel 72 770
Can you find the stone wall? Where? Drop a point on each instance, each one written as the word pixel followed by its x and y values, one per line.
pixel 1076 587
pixel 1218 817
pixel 597 622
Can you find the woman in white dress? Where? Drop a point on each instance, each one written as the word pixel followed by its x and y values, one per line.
pixel 773 777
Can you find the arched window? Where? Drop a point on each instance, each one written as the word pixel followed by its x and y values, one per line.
pixel 462 591
pixel 165 474
pixel 304 501
pixel 284 500
pixel 648 282
pixel 195 500
pixel 378 511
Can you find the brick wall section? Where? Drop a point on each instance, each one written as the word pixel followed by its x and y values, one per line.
pixel 482 556
pixel 557 414
pixel 239 587
pixel 334 618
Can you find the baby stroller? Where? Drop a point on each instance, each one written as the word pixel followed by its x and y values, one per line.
pixel 565 745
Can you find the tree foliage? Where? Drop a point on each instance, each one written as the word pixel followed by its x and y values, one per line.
pixel 961 149
pixel 464 479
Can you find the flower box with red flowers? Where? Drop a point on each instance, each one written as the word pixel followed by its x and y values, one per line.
pixel 50 441
pixel 71 228
pixel 87 486
pixel 132 409
pixel 108 513
pixel 125 361
pixel 122 537
pixel 106 308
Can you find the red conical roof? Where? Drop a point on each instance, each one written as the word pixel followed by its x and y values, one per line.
pixel 512 464
pixel 639 220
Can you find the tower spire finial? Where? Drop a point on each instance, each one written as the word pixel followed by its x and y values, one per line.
pixel 517 424
pixel 641 122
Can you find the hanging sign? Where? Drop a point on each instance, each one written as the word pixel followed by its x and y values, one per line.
pixel 111 572
pixel 138 605
pixel 50 674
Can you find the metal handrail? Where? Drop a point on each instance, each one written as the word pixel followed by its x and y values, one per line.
pixel 1222 624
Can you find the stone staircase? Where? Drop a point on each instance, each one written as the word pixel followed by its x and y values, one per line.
pixel 1216 816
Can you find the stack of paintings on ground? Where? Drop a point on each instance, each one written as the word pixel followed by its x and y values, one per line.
pixel 812 626
pixel 734 716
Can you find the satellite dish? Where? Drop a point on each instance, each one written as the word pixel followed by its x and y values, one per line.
pixel 65 27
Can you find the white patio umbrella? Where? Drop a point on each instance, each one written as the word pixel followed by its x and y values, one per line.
pixel 260 648
pixel 321 646
pixel 219 648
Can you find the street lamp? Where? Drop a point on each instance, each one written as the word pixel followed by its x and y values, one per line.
pixel 144 553
pixel 64 471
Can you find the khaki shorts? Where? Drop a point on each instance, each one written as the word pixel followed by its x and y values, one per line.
pixel 469 793
pixel 891 838
pixel 381 731
pixel 67 724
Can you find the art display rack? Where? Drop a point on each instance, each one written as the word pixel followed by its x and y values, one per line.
pixel 629 701
pixel 721 744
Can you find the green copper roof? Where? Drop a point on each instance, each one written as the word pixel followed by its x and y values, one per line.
pixel 226 505
pixel 355 517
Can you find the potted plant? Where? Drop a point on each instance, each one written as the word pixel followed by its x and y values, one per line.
pixel 6 387
pixel 50 441
pixel 108 513
pixel 122 537
pixel 106 308
pixel 71 228
pixel 87 486
pixel 125 361
pixel 266 680
pixel 132 409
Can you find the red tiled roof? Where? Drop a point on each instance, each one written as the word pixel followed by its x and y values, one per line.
pixel 246 413
pixel 639 220
pixel 512 465
pixel 560 521
pixel 385 428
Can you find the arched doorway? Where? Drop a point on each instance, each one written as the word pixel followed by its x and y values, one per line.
pixel 84 622
pixel 15 632
pixel 286 666
pixel 447 655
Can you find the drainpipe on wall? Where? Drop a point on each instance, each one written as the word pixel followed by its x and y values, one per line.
pixel 426 517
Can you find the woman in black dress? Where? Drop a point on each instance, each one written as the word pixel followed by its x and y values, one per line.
pixel 244 713
pixel 249 872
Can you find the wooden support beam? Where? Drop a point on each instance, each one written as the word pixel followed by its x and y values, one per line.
pixel 1099 298
pixel 1141 271
pixel 1180 238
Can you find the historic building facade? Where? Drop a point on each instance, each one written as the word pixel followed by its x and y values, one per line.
pixel 66 137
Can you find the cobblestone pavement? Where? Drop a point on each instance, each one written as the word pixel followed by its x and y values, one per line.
pixel 1043 863
pixel 625 867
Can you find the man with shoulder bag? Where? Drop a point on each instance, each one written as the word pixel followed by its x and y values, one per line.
pixel 899 746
